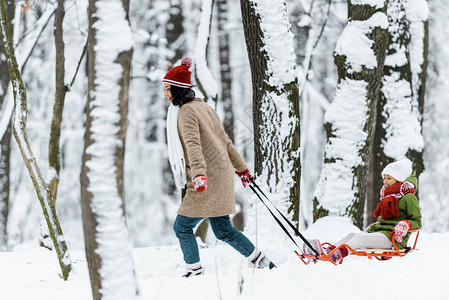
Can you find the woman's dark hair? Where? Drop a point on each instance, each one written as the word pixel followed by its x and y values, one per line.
pixel 181 95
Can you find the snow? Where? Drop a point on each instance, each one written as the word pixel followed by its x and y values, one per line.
pixel 335 189
pixel 355 44
pixel 32 272
pixel 374 3
pixel 113 35
pixel 278 41
pixel 202 71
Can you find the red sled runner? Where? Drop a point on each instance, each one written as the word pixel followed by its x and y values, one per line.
pixel 379 254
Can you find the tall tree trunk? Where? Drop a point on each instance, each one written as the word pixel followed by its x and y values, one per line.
pixel 5 146
pixel 58 108
pixel 275 99
pixel 417 14
pixel 225 67
pixel 175 32
pixel 4 187
pixel 350 120
pixel 108 249
pixel 20 135
pixel 398 128
pixel 203 75
pixel 175 42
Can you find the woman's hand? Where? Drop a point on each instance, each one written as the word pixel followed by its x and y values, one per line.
pixel 245 177
pixel 200 183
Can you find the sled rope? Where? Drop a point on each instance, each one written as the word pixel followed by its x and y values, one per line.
pixel 279 221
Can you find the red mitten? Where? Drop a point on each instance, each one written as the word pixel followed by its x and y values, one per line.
pixel 245 177
pixel 389 207
pixel 400 230
pixel 199 183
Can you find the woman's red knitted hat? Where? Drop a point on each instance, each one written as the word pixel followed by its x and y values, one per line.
pixel 180 75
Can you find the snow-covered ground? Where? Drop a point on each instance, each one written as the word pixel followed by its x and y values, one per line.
pixel 30 272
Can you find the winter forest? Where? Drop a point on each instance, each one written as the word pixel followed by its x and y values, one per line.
pixel 318 96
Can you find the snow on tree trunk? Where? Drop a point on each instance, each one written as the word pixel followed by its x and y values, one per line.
pixel 20 135
pixel 398 127
pixel 225 67
pixel 417 13
pixel 351 118
pixel 108 248
pixel 203 75
pixel 271 55
pixel 433 181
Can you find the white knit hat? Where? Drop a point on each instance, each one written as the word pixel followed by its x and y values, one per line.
pixel 399 170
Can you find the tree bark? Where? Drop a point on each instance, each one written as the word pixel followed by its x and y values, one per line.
pixel 346 159
pixel 276 157
pixel 102 199
pixel 202 72
pixel 5 146
pixel 401 95
pixel 58 108
pixel 225 68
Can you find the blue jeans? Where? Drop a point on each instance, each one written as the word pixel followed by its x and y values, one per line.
pixel 222 229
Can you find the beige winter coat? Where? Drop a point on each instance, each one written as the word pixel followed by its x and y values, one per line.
pixel 208 151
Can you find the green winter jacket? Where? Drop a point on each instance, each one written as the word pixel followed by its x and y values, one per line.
pixel 408 210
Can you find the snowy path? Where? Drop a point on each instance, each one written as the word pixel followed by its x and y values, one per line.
pixel 32 273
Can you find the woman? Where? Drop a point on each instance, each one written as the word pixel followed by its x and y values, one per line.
pixel 203 160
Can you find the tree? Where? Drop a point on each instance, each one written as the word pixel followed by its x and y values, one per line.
pixel 275 98
pixel 5 148
pixel 433 185
pixel 203 75
pixel 108 248
pixel 351 118
pixel 225 67
pixel 58 108
pixel 398 127
pixel 20 135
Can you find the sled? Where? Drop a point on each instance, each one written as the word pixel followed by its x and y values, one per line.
pixel 379 254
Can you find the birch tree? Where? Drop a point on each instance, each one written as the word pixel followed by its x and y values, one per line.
pixel 351 118
pixel 20 135
pixel 108 248
pixel 398 128
pixel 269 43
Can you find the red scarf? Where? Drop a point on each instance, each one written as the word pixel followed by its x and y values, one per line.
pixel 389 197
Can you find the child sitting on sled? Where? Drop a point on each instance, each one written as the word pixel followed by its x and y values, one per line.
pixel 397 212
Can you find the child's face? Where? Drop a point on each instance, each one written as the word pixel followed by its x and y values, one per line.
pixel 389 181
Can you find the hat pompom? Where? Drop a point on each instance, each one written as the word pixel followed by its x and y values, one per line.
pixel 186 61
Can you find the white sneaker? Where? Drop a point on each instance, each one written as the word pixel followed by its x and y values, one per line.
pixel 193 272
pixel 261 261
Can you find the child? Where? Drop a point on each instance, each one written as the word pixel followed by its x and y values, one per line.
pixel 397 212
